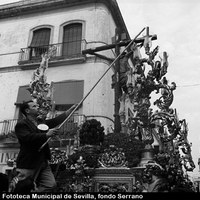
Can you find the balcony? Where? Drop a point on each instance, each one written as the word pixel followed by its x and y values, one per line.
pixel 7 126
pixel 68 130
pixel 59 51
pixel 7 134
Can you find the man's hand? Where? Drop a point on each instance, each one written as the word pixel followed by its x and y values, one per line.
pixel 52 132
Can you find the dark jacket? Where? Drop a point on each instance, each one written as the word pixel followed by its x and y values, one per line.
pixel 31 139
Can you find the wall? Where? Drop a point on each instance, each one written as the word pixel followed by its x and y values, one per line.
pixel 98 29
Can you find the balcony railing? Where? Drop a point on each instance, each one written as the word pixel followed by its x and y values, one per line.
pixel 69 129
pixel 65 50
pixel 7 126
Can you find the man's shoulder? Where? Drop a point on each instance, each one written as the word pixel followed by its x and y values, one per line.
pixel 21 122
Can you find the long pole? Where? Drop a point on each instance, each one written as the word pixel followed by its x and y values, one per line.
pixel 93 86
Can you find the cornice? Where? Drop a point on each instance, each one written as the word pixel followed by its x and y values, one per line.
pixel 55 63
pixel 37 6
pixel 32 66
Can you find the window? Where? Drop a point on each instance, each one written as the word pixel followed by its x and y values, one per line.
pixel 40 42
pixel 66 93
pixel 72 36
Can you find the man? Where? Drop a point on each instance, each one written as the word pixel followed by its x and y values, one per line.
pixel 30 159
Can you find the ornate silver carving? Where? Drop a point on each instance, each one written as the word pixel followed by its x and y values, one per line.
pixel 112 157
pixel 113 187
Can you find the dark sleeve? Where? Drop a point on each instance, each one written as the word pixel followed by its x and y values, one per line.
pixel 29 137
pixel 52 123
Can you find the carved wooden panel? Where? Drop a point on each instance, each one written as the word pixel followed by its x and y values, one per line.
pixel 113 180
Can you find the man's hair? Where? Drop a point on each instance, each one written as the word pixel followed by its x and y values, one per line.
pixel 24 106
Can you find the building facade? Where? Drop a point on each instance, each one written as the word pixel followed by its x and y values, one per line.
pixel 29 28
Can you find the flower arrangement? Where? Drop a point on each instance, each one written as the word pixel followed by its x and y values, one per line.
pixel 78 174
pixel 81 178
pixel 58 156
pixel 73 172
pixel 58 160
pixel 91 160
pixel 129 145
pixel 91 133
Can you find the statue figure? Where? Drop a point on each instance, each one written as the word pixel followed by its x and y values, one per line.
pixel 124 68
pixel 153 180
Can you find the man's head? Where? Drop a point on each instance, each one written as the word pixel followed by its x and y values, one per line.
pixel 29 108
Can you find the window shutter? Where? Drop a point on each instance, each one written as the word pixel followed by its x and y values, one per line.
pixel 65 92
pixel 72 36
pixel 41 37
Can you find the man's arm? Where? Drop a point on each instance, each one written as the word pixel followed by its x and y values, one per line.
pixel 52 123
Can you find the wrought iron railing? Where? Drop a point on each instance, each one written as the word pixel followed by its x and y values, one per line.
pixel 7 126
pixel 68 129
pixel 64 50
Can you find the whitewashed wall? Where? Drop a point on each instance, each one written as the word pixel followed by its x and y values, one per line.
pixel 99 28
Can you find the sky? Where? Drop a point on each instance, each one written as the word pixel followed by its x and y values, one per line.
pixel 177 26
